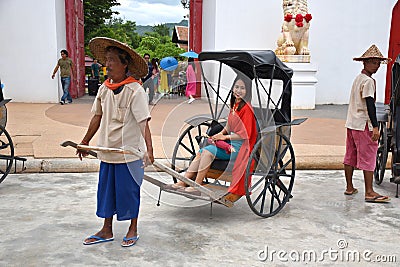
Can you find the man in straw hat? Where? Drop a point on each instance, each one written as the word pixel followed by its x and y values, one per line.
pixel 120 115
pixel 362 126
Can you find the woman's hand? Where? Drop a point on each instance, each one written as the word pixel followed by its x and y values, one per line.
pixel 219 136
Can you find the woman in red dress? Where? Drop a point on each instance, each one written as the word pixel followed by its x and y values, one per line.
pixel 240 132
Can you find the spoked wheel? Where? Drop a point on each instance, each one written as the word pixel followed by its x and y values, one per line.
pixel 381 154
pixel 187 146
pixel 6 153
pixel 271 181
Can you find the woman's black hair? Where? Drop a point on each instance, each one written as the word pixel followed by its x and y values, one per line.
pixel 123 56
pixel 191 62
pixel 247 84
pixel 154 62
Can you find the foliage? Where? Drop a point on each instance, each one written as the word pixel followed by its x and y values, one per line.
pixel 96 12
pixel 99 21
pixel 116 28
pixel 161 29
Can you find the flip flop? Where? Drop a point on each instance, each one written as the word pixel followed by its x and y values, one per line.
pixel 355 191
pixel 98 240
pixel 378 199
pixel 135 238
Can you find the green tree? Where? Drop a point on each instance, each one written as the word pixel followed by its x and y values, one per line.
pixel 161 29
pixel 116 28
pixel 96 12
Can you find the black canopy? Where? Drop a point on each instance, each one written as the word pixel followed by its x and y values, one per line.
pixel 261 64
pixel 263 61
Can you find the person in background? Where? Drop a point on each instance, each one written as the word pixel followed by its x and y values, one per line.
pixel 95 69
pixel 362 127
pixel 120 116
pixel 156 76
pixel 190 90
pixel 67 69
pixel 147 81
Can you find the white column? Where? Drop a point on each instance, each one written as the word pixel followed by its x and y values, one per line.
pixel 304 85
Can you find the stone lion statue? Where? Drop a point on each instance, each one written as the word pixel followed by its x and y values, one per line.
pixel 294 36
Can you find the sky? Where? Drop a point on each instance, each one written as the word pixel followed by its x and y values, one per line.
pixel 148 12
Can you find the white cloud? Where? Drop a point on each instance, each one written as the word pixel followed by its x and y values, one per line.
pixel 151 12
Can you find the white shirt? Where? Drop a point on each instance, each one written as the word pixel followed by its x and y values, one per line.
pixel 357 114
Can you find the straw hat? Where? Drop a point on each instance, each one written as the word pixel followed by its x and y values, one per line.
pixel 137 66
pixel 373 52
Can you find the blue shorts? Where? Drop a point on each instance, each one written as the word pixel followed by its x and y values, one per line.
pixel 119 190
pixel 220 153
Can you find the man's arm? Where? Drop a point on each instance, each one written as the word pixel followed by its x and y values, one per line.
pixel 145 130
pixel 72 68
pixel 91 131
pixel 372 116
pixel 55 71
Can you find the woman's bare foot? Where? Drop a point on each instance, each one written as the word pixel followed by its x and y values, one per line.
pixel 177 185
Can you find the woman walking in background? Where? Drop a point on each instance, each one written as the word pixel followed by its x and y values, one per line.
pixel 156 73
pixel 191 80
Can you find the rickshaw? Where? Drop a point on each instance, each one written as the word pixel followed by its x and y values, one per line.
pixel 270 171
pixel 389 127
pixel 271 181
pixel 7 157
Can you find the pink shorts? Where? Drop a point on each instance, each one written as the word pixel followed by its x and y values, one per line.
pixel 360 149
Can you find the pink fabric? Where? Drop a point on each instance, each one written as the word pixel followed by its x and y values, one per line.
pixel 221 144
pixel 191 81
pixel 360 149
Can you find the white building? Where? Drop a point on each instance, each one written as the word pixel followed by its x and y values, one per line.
pixel 339 31
pixel 32 35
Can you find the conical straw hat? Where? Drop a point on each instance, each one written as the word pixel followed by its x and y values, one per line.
pixel 373 52
pixel 137 66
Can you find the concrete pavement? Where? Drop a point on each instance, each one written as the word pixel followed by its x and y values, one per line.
pixel 38 129
pixel 45 217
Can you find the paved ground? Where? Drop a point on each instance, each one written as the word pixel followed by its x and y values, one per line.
pixel 38 129
pixel 45 217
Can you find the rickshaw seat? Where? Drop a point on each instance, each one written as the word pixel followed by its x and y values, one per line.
pixel 221 170
pixel 382 112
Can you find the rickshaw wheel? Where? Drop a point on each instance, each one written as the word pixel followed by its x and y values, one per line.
pixel 187 146
pixel 269 188
pixel 6 153
pixel 381 154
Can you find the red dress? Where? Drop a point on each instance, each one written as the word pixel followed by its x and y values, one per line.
pixel 242 123
pixel 191 81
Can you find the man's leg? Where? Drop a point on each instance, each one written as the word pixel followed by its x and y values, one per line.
pixel 67 85
pixel 348 173
pixel 150 84
pixel 105 232
pixel 64 94
pixel 132 235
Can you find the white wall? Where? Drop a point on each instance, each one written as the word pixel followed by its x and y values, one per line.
pixel 32 35
pixel 340 30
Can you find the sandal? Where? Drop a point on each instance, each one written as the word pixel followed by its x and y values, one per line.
pixel 355 191
pixel 378 199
